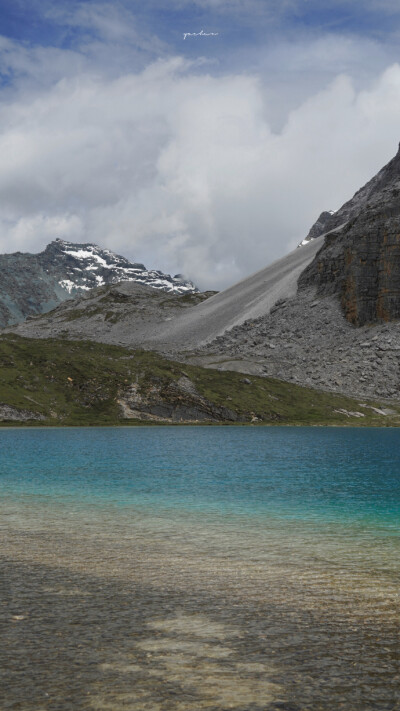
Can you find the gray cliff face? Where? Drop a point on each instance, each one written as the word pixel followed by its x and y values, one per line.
pixel 361 263
pixel 32 284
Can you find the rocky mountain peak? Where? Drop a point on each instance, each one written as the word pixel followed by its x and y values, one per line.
pixel 35 283
pixel 388 176
pixel 85 266
pixel 360 258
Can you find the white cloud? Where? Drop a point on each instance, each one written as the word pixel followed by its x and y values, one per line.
pixel 181 170
pixel 328 53
pixel 250 9
pixel 22 234
pixel 113 24
pixel 37 65
pixel 103 40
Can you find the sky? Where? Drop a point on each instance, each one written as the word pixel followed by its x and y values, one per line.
pixel 209 154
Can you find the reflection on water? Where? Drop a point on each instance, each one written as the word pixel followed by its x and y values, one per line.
pixel 110 605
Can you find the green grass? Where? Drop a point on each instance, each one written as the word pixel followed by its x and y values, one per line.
pixel 78 382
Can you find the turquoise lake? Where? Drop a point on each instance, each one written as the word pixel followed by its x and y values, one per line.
pixel 200 568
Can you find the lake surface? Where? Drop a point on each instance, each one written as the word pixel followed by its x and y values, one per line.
pixel 166 568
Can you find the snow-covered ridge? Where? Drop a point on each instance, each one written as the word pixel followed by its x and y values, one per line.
pixel 86 266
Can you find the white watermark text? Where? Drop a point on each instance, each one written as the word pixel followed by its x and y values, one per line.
pixel 200 34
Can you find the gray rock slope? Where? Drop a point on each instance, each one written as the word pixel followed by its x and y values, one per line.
pixel 126 313
pixel 35 283
pixel 306 340
pixel 302 339
pixel 341 331
pixel 248 299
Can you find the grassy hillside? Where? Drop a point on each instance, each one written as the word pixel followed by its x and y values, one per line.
pixel 86 383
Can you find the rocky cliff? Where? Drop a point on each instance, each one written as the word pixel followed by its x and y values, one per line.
pixel 341 331
pixel 360 259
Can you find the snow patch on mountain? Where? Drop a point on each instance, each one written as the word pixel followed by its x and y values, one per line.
pixel 86 266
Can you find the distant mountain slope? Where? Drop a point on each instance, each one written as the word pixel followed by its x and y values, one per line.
pixel 126 313
pixel 31 284
pixel 249 299
pixel 139 316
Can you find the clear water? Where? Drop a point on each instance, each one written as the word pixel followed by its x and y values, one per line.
pixel 200 568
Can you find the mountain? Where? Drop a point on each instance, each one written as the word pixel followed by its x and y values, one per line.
pixel 341 331
pixel 335 220
pixel 325 316
pixel 360 262
pixel 134 315
pixel 35 283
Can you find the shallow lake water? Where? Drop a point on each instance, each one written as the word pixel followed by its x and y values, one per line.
pixel 165 568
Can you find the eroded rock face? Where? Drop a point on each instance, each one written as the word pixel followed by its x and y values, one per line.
pixel 361 263
pixel 173 401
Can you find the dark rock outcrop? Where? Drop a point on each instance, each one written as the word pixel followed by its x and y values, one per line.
pixel 326 221
pixel 361 262
pixel 173 401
